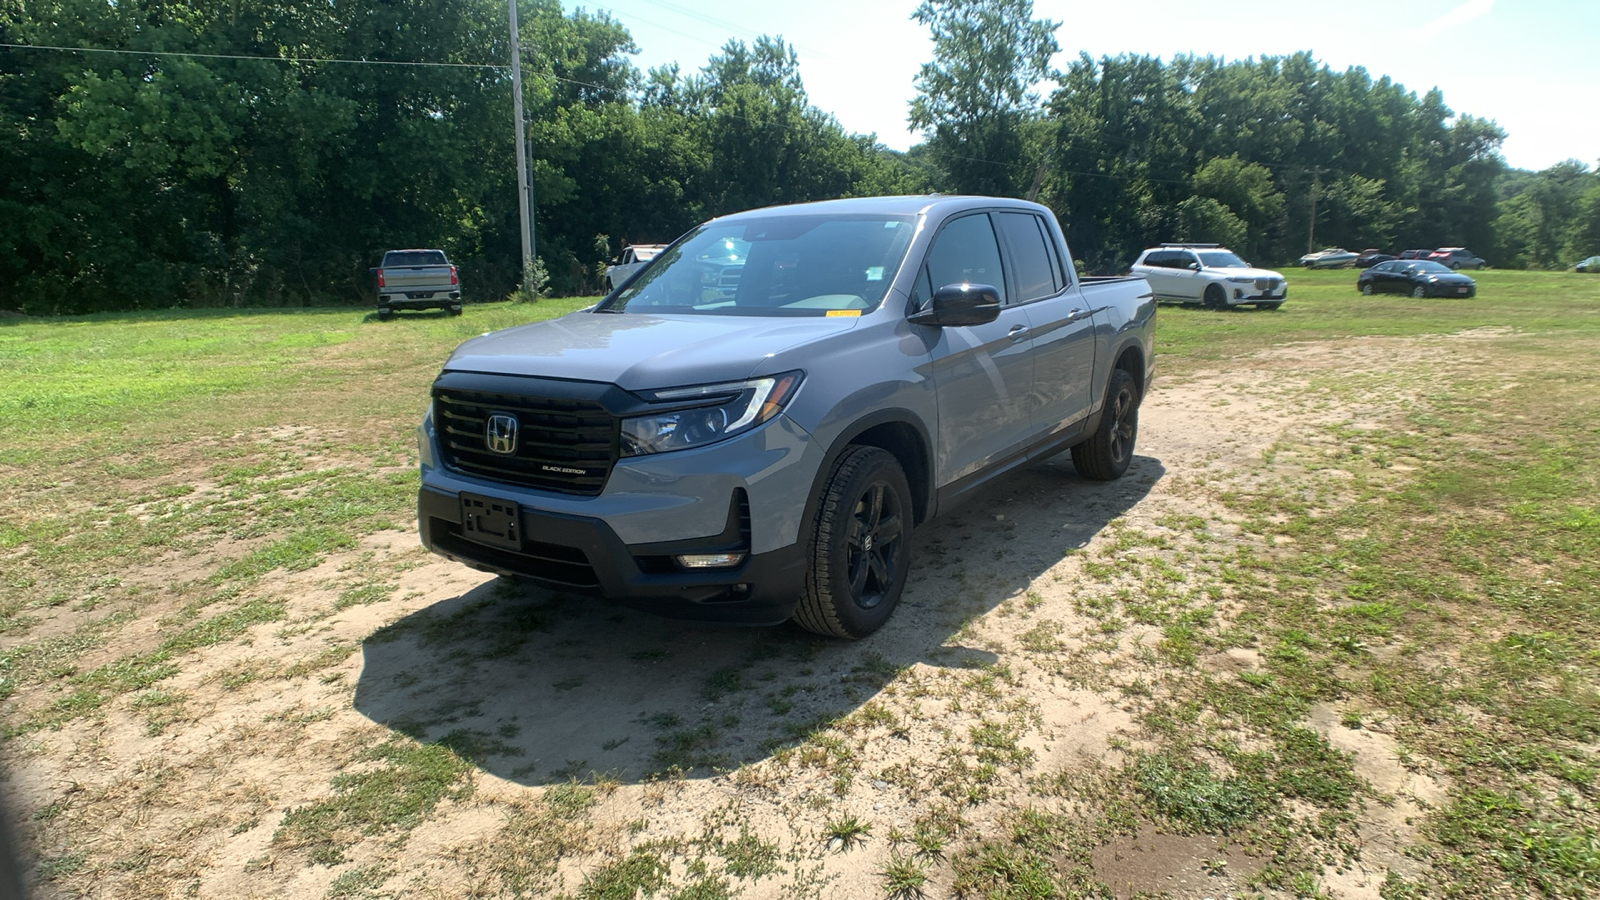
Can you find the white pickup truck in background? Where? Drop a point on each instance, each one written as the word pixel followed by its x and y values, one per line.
pixel 632 260
pixel 417 279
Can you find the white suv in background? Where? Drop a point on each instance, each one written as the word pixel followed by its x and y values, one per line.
pixel 1209 274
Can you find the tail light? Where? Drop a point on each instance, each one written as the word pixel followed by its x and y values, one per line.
pixel 453 278
pixel 380 278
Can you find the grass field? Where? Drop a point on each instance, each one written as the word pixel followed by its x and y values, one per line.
pixel 1335 636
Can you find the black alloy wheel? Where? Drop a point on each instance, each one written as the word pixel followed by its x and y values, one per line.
pixel 860 548
pixel 1108 452
pixel 877 525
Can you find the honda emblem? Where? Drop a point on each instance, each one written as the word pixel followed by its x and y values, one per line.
pixel 500 434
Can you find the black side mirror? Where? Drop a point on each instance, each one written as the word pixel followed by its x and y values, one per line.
pixel 960 304
pixel 373 271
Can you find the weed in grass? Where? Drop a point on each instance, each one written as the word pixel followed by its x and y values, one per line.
pixel 748 856
pixel 640 873
pixel 298 552
pixel 903 878
pixel 721 683
pixel 322 659
pixel 1189 793
pixel 703 888
pixel 395 797
pixel 846 833
pixel 52 868
pixel 1003 869
pixel 688 748
pixel 477 746
pixel 364 594
pixel 1044 637
pixel 358 883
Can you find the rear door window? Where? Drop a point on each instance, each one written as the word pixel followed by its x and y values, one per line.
pixel 1031 267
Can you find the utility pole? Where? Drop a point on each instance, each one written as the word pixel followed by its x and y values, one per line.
pixel 1311 227
pixel 524 187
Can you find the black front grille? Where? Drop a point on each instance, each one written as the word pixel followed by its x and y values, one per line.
pixel 562 444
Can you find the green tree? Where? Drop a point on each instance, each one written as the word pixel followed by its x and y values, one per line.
pixel 974 100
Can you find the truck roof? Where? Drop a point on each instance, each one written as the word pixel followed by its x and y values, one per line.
pixel 895 206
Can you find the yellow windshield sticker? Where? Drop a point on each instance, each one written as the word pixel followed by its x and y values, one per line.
pixel 849 313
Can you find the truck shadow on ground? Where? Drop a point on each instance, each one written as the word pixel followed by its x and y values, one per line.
pixel 541 688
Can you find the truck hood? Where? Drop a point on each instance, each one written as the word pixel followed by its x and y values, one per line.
pixel 641 352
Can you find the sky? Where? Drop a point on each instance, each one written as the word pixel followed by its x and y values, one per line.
pixel 1532 66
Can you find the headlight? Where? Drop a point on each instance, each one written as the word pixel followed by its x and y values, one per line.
pixel 724 411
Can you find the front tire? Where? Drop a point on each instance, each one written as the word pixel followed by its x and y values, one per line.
pixel 1419 292
pixel 1215 298
pixel 860 547
pixel 1366 289
pixel 1107 453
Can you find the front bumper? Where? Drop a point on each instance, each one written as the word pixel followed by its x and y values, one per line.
pixel 1238 293
pixel 746 494
pixel 584 555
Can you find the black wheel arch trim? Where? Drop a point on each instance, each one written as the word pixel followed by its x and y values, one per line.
pixel 919 475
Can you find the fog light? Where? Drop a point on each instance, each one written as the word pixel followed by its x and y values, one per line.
pixel 710 560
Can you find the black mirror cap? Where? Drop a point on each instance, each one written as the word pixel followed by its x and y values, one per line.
pixel 961 304
pixel 373 270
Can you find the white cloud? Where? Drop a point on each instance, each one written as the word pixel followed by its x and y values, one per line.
pixel 1461 15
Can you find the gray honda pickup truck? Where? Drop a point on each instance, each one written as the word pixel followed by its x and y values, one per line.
pixel 749 428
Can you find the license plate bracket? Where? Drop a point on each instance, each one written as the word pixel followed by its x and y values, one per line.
pixel 491 521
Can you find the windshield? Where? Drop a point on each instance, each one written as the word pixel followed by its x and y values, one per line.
pixel 1221 259
pixel 796 265
pixel 1430 267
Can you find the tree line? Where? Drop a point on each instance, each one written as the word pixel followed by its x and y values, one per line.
pixel 264 152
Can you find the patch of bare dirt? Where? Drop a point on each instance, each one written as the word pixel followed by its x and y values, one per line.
pixel 1182 867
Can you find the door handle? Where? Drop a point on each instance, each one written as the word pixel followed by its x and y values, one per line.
pixel 1017 332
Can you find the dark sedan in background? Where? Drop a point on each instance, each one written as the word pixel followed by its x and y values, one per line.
pixel 1417 277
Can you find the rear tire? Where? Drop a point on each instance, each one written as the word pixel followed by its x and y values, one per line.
pixel 385 313
pixel 455 310
pixel 1215 298
pixel 1107 453
pixel 860 547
